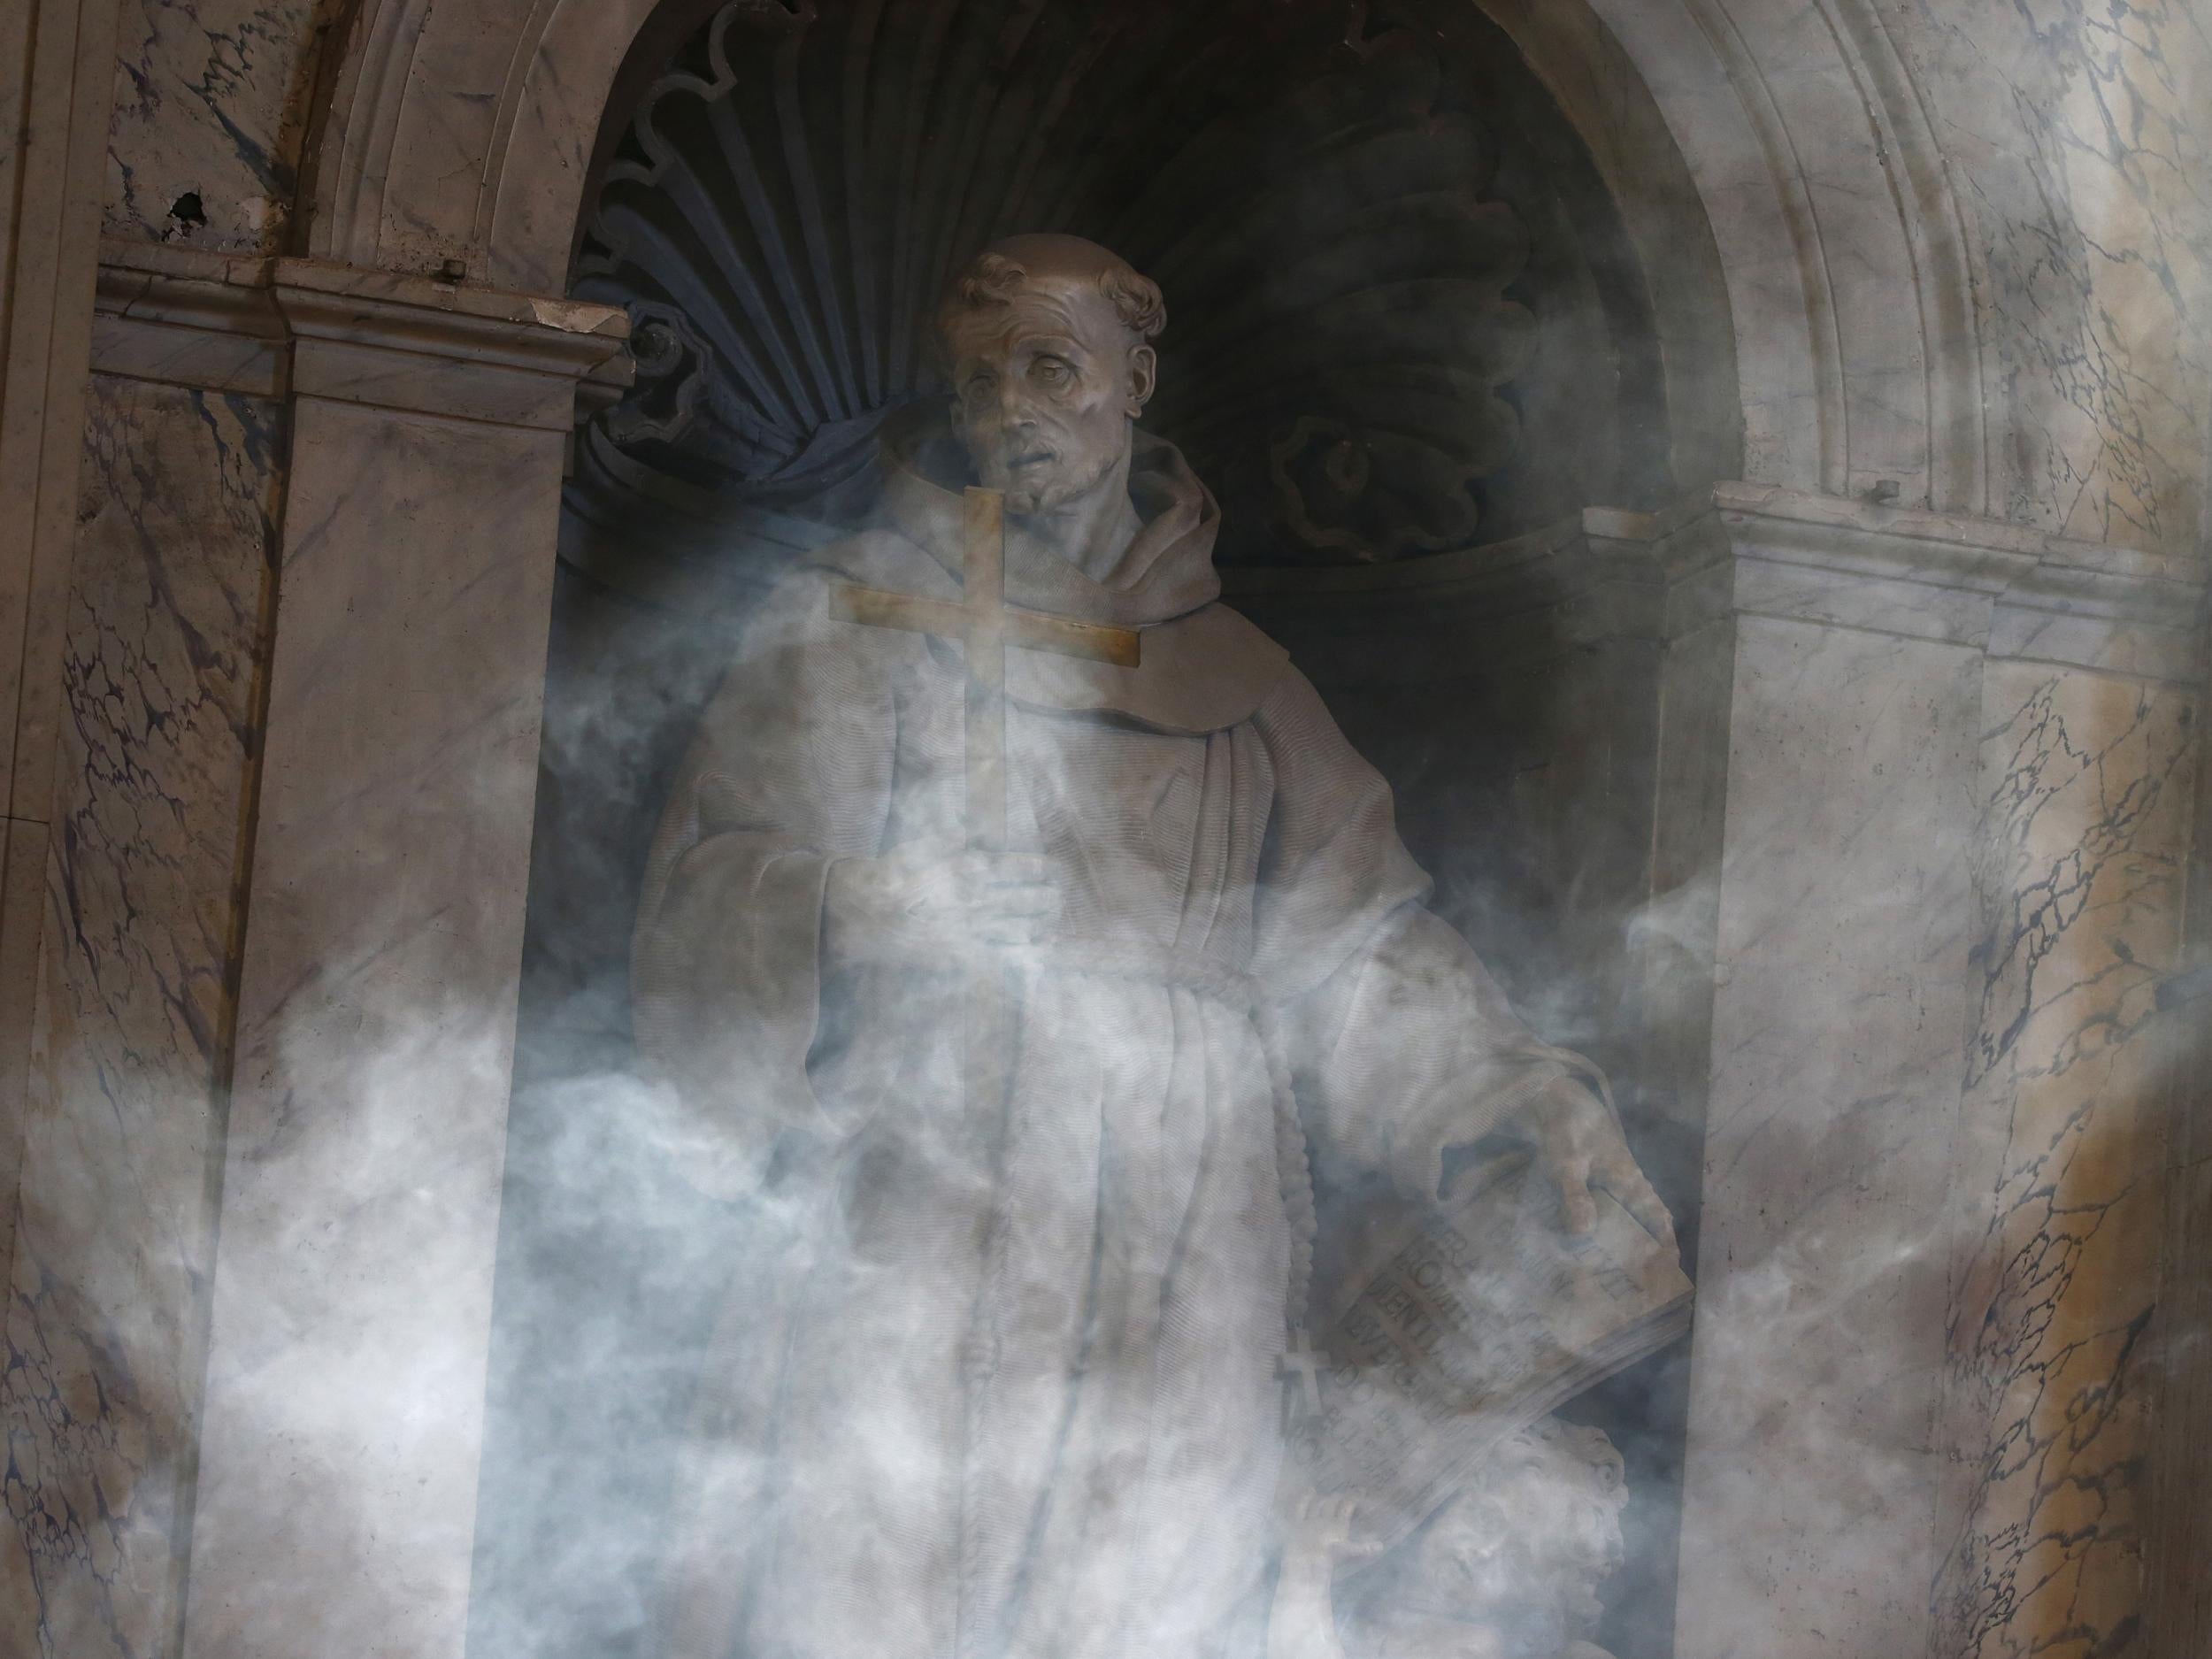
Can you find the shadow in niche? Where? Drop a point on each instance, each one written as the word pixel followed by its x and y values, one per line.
pixel 1406 330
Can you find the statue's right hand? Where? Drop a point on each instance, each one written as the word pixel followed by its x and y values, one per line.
pixel 1329 1529
pixel 925 903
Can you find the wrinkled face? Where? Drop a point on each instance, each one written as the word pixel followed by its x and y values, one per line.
pixel 1044 390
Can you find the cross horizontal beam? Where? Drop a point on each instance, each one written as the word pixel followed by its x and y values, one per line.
pixel 952 619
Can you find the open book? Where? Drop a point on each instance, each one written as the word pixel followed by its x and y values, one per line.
pixel 1442 1338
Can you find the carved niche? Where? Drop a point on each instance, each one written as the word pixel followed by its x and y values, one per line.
pixel 1400 319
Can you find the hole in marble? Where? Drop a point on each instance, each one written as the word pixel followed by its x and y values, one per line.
pixel 188 213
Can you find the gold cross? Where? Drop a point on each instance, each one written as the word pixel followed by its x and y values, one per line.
pixel 985 625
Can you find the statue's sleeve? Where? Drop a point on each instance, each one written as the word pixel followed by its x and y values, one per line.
pixel 1400 1043
pixel 791 770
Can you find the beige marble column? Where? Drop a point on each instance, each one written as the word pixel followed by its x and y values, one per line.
pixel 2089 747
pixel 382 938
pixel 305 652
pixel 1874 660
pixel 298 680
pixel 157 678
pixel 57 88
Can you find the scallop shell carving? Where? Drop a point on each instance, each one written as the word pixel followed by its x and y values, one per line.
pixel 1301 179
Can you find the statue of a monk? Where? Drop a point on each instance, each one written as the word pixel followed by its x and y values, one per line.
pixel 1006 1382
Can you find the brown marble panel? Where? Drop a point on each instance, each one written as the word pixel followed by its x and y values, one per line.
pixel 2177 1616
pixel 2086 783
pixel 132 1016
pixel 22 894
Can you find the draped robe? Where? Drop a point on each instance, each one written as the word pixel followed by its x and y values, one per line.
pixel 1003 1378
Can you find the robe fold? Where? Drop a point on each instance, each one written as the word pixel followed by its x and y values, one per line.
pixel 1013 1391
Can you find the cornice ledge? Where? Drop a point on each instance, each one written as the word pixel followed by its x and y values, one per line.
pixel 2114 611
pixel 1686 553
pixel 186 316
pixel 1922 523
pixel 179 262
pixel 2014 590
pixel 417 314
pixel 270 325
pixel 211 301
pixel 1849 537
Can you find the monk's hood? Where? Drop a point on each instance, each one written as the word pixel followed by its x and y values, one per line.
pixel 1166 571
pixel 1202 667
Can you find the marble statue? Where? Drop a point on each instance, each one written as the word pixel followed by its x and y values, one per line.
pixel 1509 1569
pixel 1024 954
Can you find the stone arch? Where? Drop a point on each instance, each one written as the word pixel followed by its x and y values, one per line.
pixel 1850 261
pixel 1826 289
pixel 1835 293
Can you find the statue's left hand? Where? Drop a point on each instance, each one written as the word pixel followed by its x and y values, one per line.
pixel 1581 1145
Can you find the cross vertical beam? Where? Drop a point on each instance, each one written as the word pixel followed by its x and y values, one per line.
pixel 985 625
pixel 983 597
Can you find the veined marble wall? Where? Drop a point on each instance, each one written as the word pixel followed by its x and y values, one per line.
pixel 2076 135
pixel 211 105
pixel 176 965
pixel 1966 251
pixel 2086 786
pixel 167 627
pixel 2179 1600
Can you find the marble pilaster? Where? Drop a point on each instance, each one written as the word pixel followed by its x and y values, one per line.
pixel 1901 684
pixel 305 656
pixel 352 1286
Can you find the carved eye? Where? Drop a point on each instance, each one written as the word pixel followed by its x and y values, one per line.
pixel 978 390
pixel 1052 371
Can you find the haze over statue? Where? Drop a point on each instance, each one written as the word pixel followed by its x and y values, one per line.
pixel 1032 947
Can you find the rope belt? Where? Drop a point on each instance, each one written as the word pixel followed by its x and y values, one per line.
pixel 1185 971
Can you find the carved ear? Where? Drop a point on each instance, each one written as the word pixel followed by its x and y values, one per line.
pixel 1144 375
